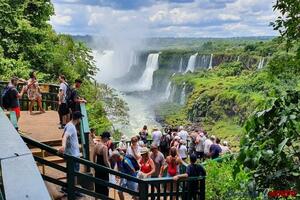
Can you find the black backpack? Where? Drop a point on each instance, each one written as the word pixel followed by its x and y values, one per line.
pixel 69 96
pixel 164 142
pixel 6 97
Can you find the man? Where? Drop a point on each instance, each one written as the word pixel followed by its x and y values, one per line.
pixel 225 148
pixel 63 109
pixel 192 170
pixel 10 97
pixel 200 145
pixel 74 100
pixel 192 145
pixel 215 149
pixel 183 134
pixel 207 144
pixel 159 161
pixel 156 136
pixel 70 145
pixel 127 165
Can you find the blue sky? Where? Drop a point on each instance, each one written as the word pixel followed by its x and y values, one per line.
pixel 165 18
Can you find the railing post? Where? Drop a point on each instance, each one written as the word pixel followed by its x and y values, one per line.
pixel 202 189
pixel 70 178
pixel 143 190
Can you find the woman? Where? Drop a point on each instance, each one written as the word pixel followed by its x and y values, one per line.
pixel 173 161
pixel 100 157
pixel 182 150
pixel 144 134
pixel 134 149
pixel 146 163
pixel 33 92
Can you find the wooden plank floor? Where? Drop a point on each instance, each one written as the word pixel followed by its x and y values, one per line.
pixel 41 127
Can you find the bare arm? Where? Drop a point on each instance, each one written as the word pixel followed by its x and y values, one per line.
pixel 105 156
pixel 64 143
pixel 152 168
pixel 180 176
pixel 95 153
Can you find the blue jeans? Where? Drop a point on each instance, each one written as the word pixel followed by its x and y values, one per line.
pixel 128 184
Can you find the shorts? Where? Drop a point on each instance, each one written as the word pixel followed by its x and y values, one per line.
pixel 129 184
pixel 63 109
pixel 17 111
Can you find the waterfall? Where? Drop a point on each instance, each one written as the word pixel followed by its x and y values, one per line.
pixel 146 80
pixel 180 66
pixel 182 96
pixel 238 59
pixel 168 91
pixel 210 62
pixel 191 63
pixel 261 63
pixel 133 60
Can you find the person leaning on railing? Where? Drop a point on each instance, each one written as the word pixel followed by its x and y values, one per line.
pixel 192 170
pixel 74 100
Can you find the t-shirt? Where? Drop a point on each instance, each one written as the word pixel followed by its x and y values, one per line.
pixel 182 151
pixel 130 152
pixel 13 96
pixel 225 149
pixel 159 161
pixel 200 145
pixel 125 166
pixel 72 145
pixel 215 150
pixel 195 170
pixel 122 145
pixel 207 145
pixel 156 135
pixel 74 96
pixel 183 135
pixel 64 88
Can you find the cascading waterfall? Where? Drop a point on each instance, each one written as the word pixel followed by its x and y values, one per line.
pixel 210 62
pixel 191 63
pixel 180 66
pixel 238 59
pixel 261 63
pixel 146 80
pixel 168 91
pixel 133 60
pixel 182 96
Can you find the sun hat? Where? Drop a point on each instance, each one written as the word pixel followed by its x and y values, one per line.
pixel 144 150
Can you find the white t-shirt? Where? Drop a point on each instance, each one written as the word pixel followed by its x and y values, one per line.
pixel 156 135
pixel 72 145
pixel 225 149
pixel 200 145
pixel 63 87
pixel 182 151
pixel 207 145
pixel 130 152
pixel 183 135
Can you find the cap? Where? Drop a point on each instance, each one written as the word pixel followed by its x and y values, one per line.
pixel 105 134
pixel 144 150
pixel 77 115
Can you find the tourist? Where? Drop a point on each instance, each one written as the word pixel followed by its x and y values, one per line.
pixel 63 109
pixel 175 142
pixel 200 143
pixel 122 146
pixel 10 97
pixel 225 148
pixel 192 170
pixel 33 92
pixel 182 150
pixel 156 135
pixel 140 142
pixel 144 134
pixel 183 134
pixel 127 165
pixel 165 144
pixel 207 143
pixel 100 157
pixel 146 164
pixel 215 149
pixel 75 100
pixel 70 145
pixel 192 145
pixel 159 161
pixel 173 162
pixel 134 149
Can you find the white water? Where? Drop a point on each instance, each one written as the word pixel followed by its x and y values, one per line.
pixel 168 91
pixel 261 63
pixel 191 63
pixel 146 80
pixel 181 66
pixel 133 60
pixel 238 59
pixel 210 62
pixel 182 96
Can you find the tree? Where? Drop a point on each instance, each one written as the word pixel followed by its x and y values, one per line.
pixel 270 150
pixel 288 24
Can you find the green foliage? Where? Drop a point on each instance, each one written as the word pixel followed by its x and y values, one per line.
pixel 270 149
pixel 220 183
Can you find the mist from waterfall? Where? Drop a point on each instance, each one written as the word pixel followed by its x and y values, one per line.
pixel 191 63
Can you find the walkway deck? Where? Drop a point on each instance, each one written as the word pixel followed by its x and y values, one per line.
pixel 41 127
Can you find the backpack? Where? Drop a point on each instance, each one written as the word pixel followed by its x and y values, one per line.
pixel 133 162
pixel 164 142
pixel 69 96
pixel 6 97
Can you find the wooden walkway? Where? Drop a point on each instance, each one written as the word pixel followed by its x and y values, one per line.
pixel 41 127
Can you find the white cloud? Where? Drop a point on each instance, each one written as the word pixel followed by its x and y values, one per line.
pixel 61 20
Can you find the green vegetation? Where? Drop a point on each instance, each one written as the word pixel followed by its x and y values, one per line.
pixel 28 43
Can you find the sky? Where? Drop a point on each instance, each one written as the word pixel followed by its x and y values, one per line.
pixel 165 18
